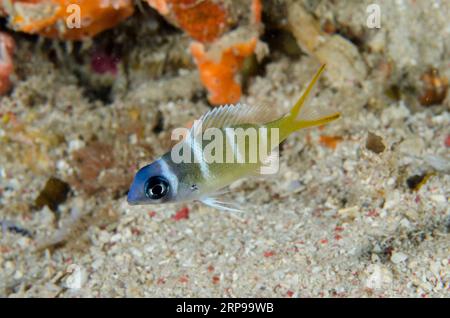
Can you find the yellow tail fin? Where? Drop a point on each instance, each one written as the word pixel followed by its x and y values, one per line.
pixel 303 117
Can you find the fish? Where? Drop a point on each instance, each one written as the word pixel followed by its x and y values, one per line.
pixel 211 155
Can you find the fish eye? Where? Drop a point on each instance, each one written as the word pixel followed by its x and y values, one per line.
pixel 156 188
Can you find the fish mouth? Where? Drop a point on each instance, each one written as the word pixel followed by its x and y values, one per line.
pixel 132 200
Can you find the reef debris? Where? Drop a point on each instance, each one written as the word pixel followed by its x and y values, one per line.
pixel 435 88
pixel 344 63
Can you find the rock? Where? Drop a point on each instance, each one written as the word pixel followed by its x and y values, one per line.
pixel 434 88
pixel 304 27
pixel 343 60
pixel 344 63
pixel 398 258
pixel 77 279
pixel 379 276
pixel 438 163
pixel 76 144
pixel 375 143
pixel 438 198
pixel 54 193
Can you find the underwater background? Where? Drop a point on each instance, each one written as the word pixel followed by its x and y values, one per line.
pixel 92 89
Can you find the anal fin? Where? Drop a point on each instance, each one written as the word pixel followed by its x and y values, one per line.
pixel 221 205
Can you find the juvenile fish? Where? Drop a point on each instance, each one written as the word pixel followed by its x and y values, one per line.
pixel 199 167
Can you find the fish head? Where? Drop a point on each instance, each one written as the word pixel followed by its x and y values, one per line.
pixel 153 184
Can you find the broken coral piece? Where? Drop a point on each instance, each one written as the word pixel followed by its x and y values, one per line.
pixel 204 21
pixel 7 46
pixel 219 75
pixel 67 19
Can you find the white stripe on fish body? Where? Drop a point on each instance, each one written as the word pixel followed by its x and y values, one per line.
pixel 167 171
pixel 196 146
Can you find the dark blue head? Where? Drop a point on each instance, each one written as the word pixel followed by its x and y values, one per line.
pixel 152 184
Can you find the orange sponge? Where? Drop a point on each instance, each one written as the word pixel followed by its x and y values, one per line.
pixel 219 77
pixel 55 18
pixel 204 20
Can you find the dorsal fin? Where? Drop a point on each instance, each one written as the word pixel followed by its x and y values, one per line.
pixel 232 115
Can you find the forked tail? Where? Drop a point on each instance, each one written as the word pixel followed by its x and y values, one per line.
pixel 303 115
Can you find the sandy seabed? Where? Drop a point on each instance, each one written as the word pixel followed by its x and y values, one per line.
pixel 360 208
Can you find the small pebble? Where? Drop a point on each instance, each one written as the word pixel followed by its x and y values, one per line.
pixel 438 198
pixel 54 193
pixel 375 143
pixel 379 276
pixel 398 257
pixel 77 279
pixel 75 145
